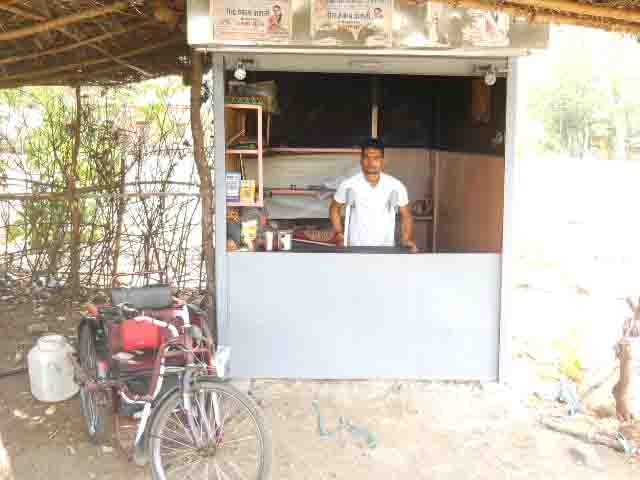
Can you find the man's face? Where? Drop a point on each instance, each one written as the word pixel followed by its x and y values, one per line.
pixel 372 161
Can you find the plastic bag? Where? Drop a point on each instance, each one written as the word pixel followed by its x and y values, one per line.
pixel 221 359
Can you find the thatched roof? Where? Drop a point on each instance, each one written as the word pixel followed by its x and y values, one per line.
pixel 90 42
pixel 611 15
pixel 114 42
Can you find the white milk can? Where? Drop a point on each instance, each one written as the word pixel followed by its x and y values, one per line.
pixel 51 369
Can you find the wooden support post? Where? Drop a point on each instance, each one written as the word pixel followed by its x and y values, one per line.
pixel 206 185
pixel 435 163
pixel 75 201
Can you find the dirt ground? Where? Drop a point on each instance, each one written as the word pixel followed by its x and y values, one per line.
pixel 421 430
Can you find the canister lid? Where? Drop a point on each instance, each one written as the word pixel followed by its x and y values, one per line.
pixel 51 342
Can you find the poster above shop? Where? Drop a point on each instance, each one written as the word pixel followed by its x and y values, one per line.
pixel 252 21
pixel 365 23
pixel 422 24
pixel 360 24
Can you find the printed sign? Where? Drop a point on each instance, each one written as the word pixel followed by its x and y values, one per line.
pixel 251 21
pixel 365 23
pixel 418 23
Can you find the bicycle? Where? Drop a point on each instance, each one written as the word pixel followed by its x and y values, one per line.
pixel 168 405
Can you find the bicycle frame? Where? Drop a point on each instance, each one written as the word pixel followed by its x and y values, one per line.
pixel 192 367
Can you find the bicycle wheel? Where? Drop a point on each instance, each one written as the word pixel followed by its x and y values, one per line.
pixel 95 404
pixel 231 438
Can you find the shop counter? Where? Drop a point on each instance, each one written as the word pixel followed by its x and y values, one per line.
pixel 348 313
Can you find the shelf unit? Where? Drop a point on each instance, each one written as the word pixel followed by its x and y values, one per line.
pixel 258 153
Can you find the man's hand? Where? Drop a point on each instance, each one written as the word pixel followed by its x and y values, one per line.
pixel 411 246
pixel 407 229
pixel 335 211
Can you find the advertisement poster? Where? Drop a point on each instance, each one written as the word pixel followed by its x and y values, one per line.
pixel 487 29
pixel 252 21
pixel 434 25
pixel 364 23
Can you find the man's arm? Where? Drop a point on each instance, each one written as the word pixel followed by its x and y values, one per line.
pixel 406 220
pixel 335 214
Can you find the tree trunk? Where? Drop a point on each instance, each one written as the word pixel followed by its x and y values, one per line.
pixel 75 201
pixel 206 185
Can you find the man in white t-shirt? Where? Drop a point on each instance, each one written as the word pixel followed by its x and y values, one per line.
pixel 373 218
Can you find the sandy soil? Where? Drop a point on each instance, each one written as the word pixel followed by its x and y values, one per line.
pixel 422 430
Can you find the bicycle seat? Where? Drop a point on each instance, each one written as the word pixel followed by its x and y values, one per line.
pixel 153 296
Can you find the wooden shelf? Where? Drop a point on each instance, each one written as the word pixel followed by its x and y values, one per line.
pixel 297 192
pixel 232 151
pixel 243 106
pixel 292 151
pixel 255 152
pixel 258 204
pixel 423 218
pixel 300 150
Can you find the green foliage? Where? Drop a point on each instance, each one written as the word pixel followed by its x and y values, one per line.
pixel 589 96
pixel 48 156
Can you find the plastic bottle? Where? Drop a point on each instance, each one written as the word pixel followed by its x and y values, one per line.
pixel 51 369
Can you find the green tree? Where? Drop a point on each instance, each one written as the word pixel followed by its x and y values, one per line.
pixel 590 90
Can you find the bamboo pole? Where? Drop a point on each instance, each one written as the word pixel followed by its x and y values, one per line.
pixel 95 61
pixel 62 21
pixel 543 17
pixel 626 14
pixel 610 26
pixel 21 12
pixel 73 46
pixel 75 201
pixel 69 78
pixel 122 205
pixel 105 53
pixel 63 195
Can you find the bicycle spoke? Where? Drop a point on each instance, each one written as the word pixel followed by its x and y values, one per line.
pixel 186 465
pixel 237 440
pixel 190 456
pixel 216 414
pixel 191 447
pixel 244 419
pixel 236 470
pixel 180 434
pixel 188 435
pixel 221 474
pixel 216 408
pixel 204 420
pixel 175 449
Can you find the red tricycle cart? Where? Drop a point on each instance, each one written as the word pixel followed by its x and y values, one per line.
pixel 148 381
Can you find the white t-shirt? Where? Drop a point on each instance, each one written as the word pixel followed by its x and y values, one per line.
pixel 372 222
